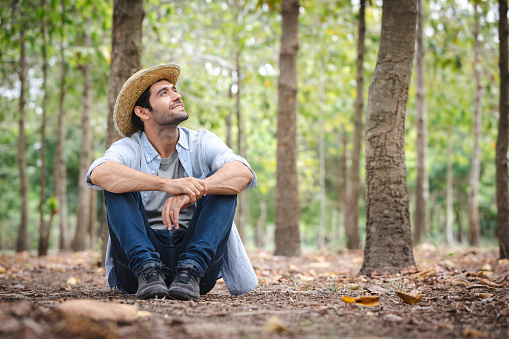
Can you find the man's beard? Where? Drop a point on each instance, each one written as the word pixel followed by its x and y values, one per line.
pixel 171 118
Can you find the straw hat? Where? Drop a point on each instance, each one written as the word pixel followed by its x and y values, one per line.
pixel 133 89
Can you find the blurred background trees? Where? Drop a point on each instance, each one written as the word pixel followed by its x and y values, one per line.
pixel 56 64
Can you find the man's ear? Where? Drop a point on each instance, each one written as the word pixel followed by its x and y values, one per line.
pixel 141 112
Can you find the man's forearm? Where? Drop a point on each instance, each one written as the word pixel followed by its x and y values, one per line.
pixel 231 178
pixel 118 178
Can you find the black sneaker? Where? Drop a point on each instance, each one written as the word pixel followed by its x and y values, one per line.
pixel 186 285
pixel 151 282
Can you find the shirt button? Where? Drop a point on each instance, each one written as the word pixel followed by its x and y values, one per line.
pixel 158 157
pixel 148 159
pixel 153 172
pixel 145 195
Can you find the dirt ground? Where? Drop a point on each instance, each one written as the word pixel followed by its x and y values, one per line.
pixel 462 294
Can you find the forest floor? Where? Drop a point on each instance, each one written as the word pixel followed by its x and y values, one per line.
pixel 463 294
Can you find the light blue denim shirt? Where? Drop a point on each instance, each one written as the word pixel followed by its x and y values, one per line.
pixel 200 153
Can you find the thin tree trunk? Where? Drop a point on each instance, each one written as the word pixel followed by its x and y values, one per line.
pixel 125 61
pixel 502 178
pixel 388 229
pixel 421 217
pixel 260 224
pixel 43 245
pixel 287 236
pixel 352 212
pixel 229 123
pixel 475 166
pixel 343 186
pixel 242 205
pixel 83 213
pixel 60 168
pixel 449 219
pixel 93 205
pixel 459 222
pixel 22 242
pixel 320 239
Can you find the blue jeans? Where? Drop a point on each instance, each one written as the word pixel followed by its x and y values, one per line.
pixel 134 243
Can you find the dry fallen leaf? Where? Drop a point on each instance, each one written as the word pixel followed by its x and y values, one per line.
pixel 425 273
pixel 2 270
pixel 365 300
pixel 143 314
pixel 483 295
pixel 474 333
pixel 98 310
pixel 347 299
pixel 319 264
pixel 274 324
pixel 71 281
pixel 377 289
pixel 411 298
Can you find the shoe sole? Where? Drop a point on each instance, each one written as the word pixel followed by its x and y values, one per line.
pixel 152 295
pixel 181 295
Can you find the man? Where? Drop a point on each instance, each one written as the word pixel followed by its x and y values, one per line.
pixel 170 195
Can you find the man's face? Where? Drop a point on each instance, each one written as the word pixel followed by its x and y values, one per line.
pixel 167 105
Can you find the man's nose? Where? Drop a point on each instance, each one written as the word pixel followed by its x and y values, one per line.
pixel 176 96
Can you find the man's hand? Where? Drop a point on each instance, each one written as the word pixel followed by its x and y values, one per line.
pixel 193 187
pixel 172 208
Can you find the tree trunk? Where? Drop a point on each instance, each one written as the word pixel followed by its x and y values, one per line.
pixel 475 165
pixel 60 168
pixel 93 206
pixel 125 61
pixel 502 177
pixel 22 242
pixel 83 213
pixel 260 224
pixel 242 202
pixel 287 237
pixel 43 245
pixel 459 222
pixel 352 212
pixel 449 217
pixel 421 217
pixel 343 186
pixel 320 239
pixel 388 230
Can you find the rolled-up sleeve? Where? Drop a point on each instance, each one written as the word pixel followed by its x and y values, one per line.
pixel 122 151
pixel 216 153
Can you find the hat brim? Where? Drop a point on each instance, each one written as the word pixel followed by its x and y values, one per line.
pixel 133 89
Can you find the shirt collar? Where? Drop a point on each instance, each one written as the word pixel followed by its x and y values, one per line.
pixel 148 150
pixel 183 141
pixel 151 153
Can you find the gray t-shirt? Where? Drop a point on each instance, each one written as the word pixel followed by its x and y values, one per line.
pixel 173 169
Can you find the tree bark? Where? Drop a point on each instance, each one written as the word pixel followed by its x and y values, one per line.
pixel 22 241
pixel 320 239
pixel 260 224
pixel 449 212
pixel 83 213
pixel 352 212
pixel 502 178
pixel 475 165
pixel 421 217
pixel 125 61
pixel 388 230
pixel 287 237
pixel 43 244
pixel 242 198
pixel 60 166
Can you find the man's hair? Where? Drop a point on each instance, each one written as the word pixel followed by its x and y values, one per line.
pixel 143 101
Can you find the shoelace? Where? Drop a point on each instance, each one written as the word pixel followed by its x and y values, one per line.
pixel 184 275
pixel 153 273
